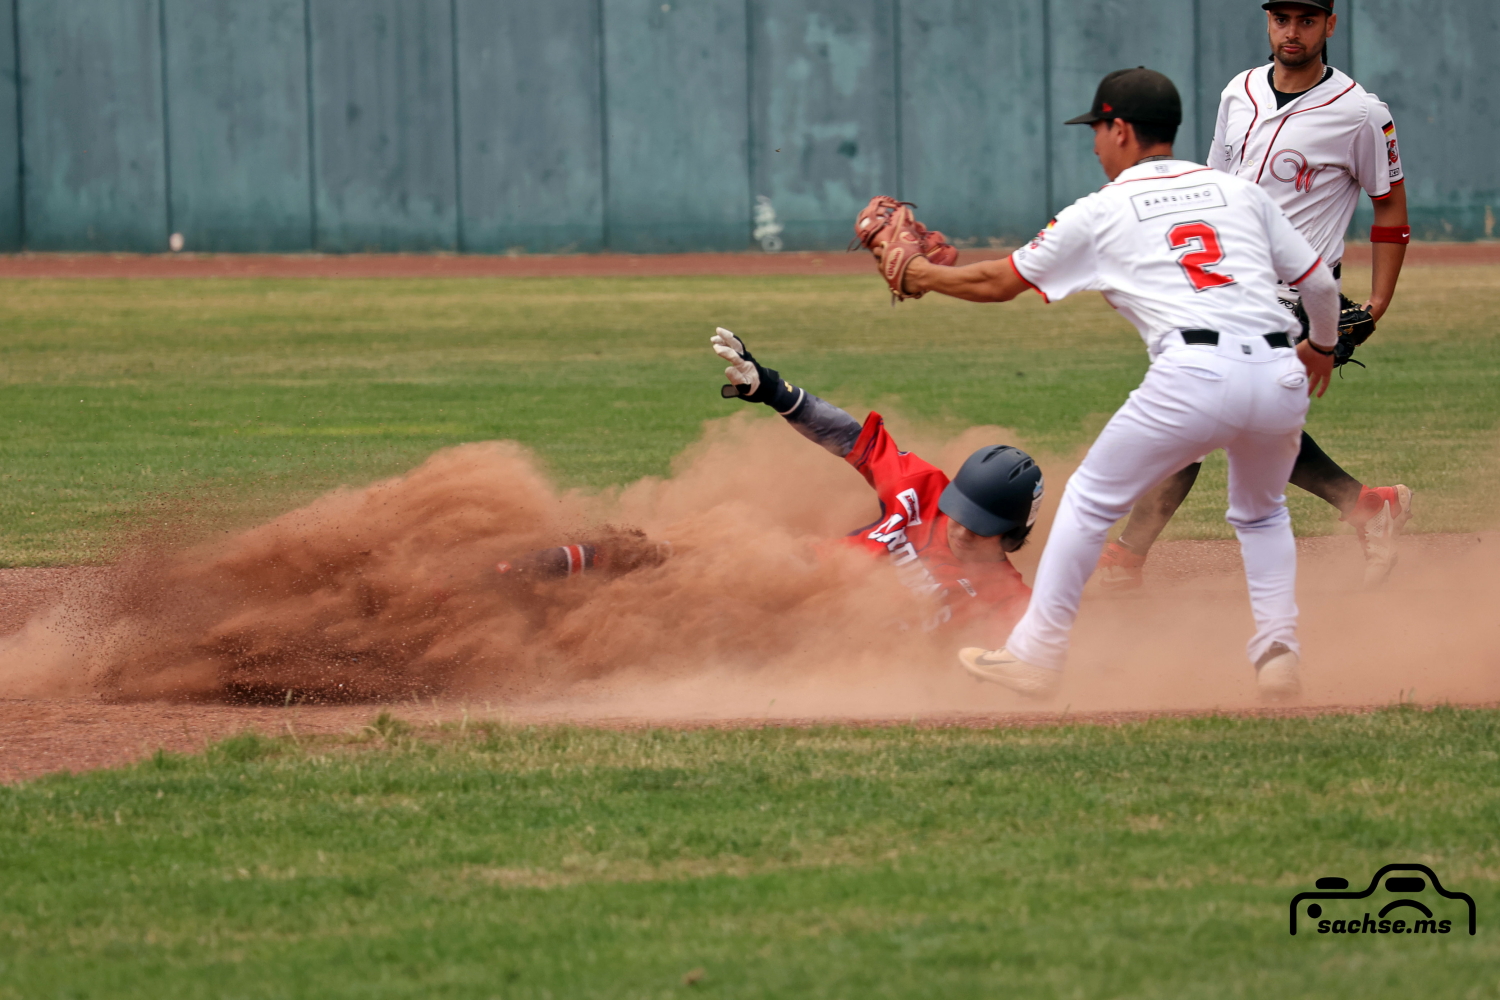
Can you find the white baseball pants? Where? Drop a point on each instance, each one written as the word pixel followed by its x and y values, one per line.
pixel 1243 396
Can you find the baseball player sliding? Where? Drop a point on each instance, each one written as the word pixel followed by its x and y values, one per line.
pixel 1311 138
pixel 947 540
pixel 1192 257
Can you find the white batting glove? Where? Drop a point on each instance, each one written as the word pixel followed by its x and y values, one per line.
pixel 741 371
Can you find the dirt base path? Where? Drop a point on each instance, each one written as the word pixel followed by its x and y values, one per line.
pixel 397 265
pixel 39 736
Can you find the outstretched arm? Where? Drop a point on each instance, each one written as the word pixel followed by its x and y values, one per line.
pixel 984 281
pixel 815 419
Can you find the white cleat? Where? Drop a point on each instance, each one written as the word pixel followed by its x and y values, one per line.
pixel 1377 536
pixel 999 667
pixel 1276 674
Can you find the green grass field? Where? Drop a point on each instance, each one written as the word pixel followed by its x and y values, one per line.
pixel 124 396
pixel 1151 860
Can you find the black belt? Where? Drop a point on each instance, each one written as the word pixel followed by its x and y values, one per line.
pixel 1211 337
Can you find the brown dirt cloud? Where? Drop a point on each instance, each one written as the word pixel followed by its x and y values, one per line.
pixel 390 591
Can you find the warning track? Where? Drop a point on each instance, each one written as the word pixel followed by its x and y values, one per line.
pixel 604 265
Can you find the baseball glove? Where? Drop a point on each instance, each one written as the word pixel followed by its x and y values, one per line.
pixel 1355 322
pixel 887 229
pixel 1355 327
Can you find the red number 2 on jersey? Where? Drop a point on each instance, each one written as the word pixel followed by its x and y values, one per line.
pixel 1201 241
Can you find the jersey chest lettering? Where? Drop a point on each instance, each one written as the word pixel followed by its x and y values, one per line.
pixel 910 570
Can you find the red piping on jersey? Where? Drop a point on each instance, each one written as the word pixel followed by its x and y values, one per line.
pixel 1159 177
pixel 1298 281
pixel 1271 146
pixel 1254 118
pixel 1392 191
pixel 1012 262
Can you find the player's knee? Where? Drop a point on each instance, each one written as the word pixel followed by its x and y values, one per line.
pixel 1095 512
pixel 1259 520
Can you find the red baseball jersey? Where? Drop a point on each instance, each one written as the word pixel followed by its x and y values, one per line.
pixel 986 599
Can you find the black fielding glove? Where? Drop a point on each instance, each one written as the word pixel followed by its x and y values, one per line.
pixel 1355 327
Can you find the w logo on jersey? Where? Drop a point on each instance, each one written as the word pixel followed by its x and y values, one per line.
pixel 1298 173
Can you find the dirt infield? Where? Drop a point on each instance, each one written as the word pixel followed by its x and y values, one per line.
pixel 604 265
pixel 77 733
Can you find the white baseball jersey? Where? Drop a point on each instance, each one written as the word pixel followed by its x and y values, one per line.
pixel 1313 155
pixel 1174 245
pixel 1179 247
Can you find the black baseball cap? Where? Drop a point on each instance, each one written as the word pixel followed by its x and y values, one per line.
pixel 1326 6
pixel 1136 95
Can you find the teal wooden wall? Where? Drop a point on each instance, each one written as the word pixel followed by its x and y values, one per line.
pixel 237 124
pixel 91 134
pixel 636 125
pixel 10 153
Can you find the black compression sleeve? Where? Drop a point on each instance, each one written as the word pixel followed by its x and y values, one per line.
pixel 822 423
pixel 815 419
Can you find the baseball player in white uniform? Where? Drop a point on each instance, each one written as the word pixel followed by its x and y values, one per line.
pixel 1312 139
pixel 1192 257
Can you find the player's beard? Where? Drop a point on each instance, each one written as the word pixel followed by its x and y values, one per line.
pixel 1297 62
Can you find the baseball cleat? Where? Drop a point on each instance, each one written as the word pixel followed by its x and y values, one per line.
pixel 1378 518
pixel 1000 667
pixel 1119 569
pixel 1276 674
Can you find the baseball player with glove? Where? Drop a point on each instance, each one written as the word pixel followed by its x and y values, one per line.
pixel 1311 138
pixel 1192 257
pixel 947 540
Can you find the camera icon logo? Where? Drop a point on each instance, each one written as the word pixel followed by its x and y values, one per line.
pixel 1408 904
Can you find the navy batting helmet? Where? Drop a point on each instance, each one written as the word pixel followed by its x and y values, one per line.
pixel 998 490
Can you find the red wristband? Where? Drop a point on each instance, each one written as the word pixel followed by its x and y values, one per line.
pixel 1390 234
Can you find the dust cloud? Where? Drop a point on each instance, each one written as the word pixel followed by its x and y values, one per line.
pixel 391 592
